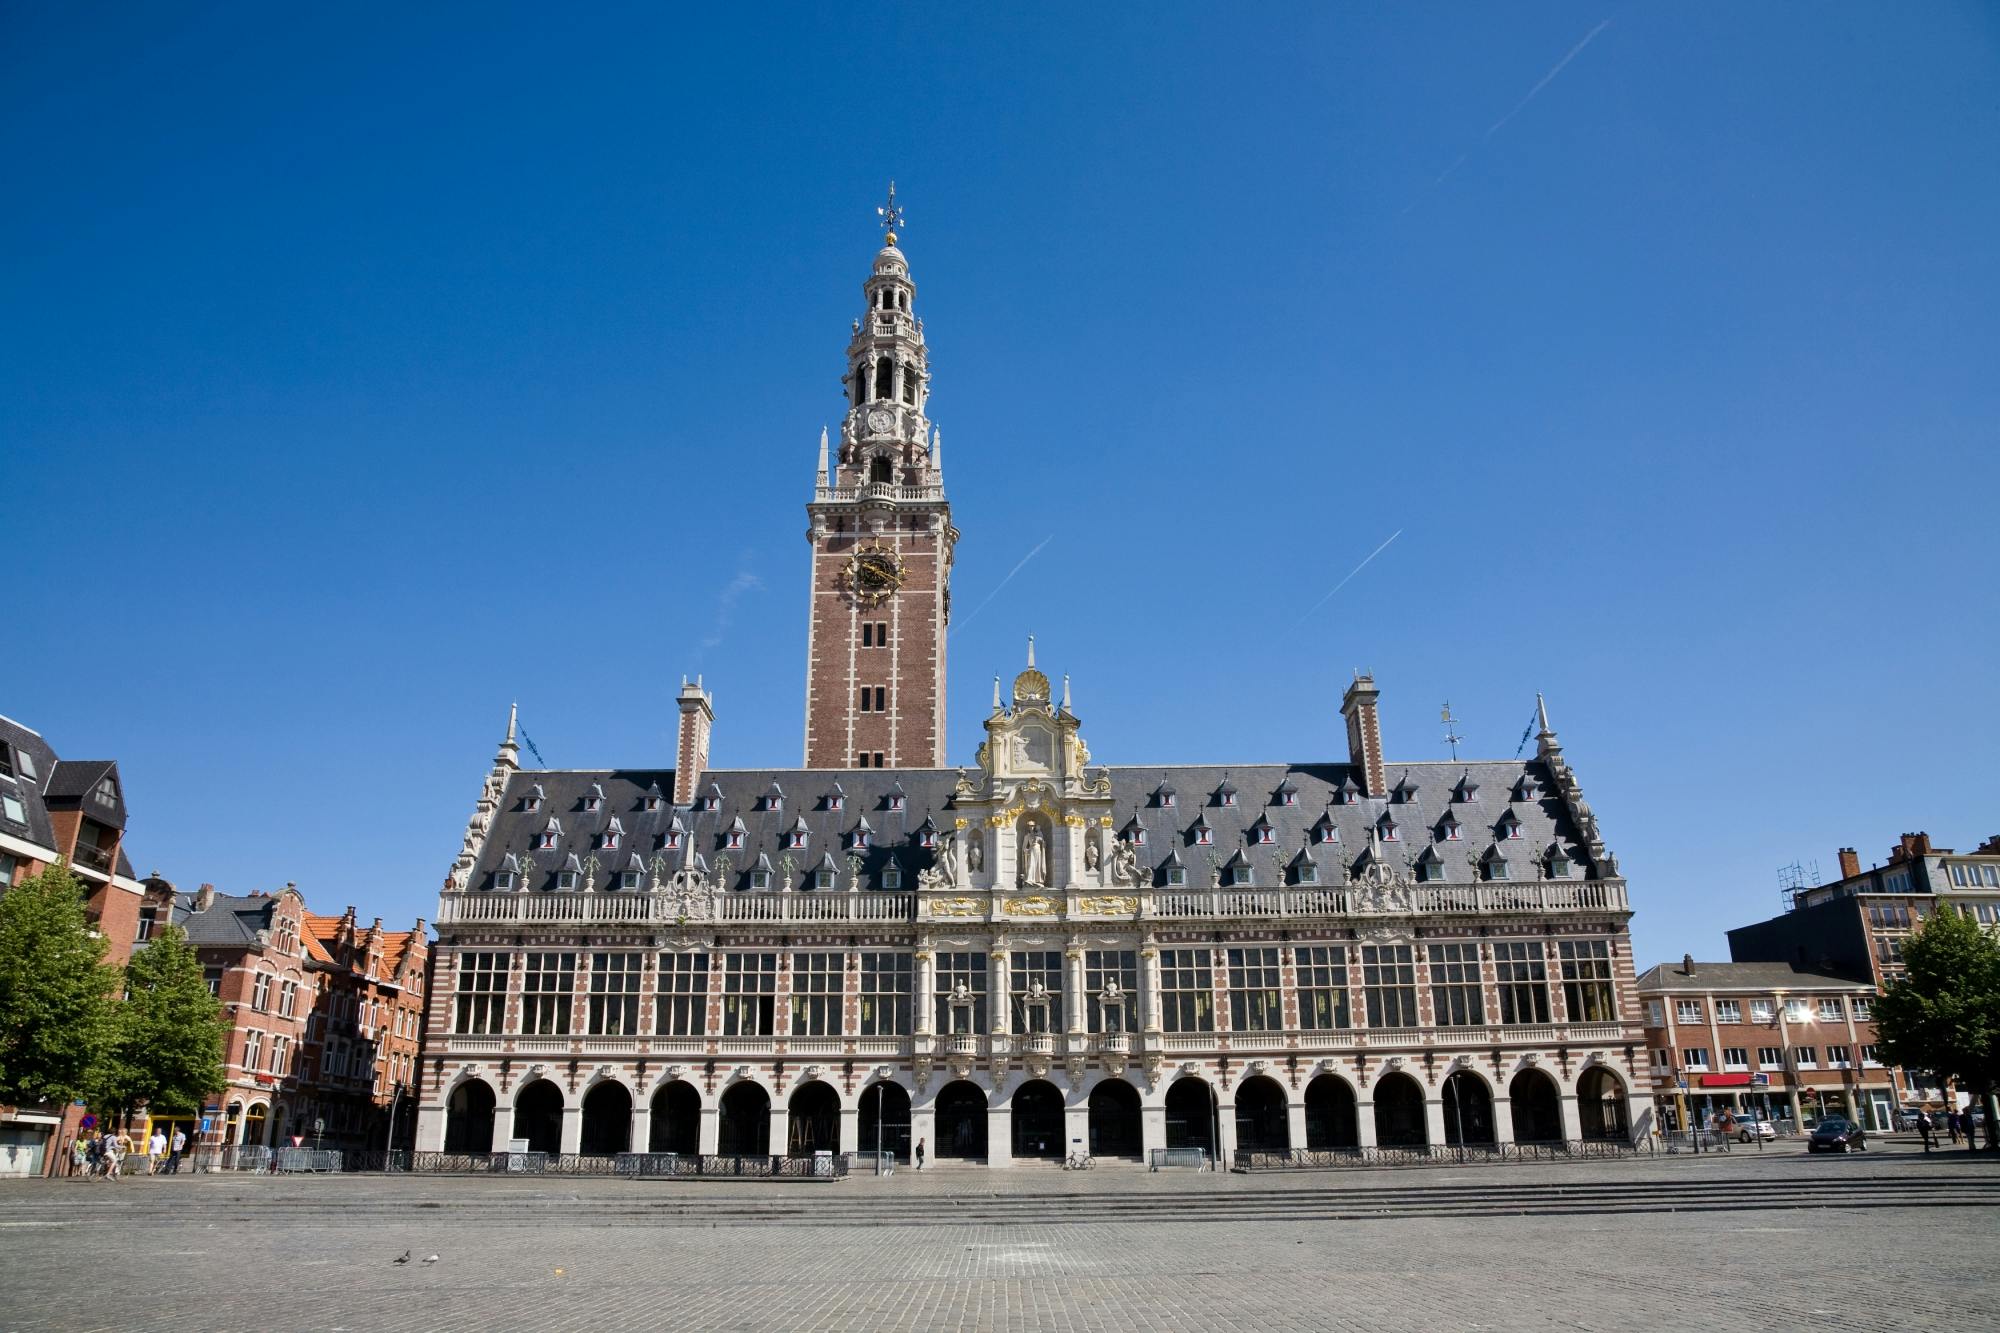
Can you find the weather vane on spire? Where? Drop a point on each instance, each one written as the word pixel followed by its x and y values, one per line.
pixel 891 214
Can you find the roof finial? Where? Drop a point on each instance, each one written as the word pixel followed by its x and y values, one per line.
pixel 513 720
pixel 996 693
pixel 937 449
pixel 1542 714
pixel 1031 650
pixel 1065 691
pixel 891 215
pixel 822 456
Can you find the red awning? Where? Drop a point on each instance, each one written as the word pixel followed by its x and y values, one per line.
pixel 1725 1080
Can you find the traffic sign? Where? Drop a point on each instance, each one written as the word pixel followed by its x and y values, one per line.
pixel 89 1122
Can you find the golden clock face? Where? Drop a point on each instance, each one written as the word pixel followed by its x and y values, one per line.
pixel 873 573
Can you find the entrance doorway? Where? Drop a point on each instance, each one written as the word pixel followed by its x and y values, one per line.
pixel 745 1129
pixel 538 1114
pixel 1600 1105
pixel 1537 1108
pixel 676 1120
pixel 1399 1112
pixel 607 1121
pixel 1191 1115
pixel 468 1117
pixel 1468 1111
pixel 815 1120
pixel 1331 1123
pixel 1115 1120
pixel 1261 1124
pixel 1038 1120
pixel 961 1121
pixel 885 1120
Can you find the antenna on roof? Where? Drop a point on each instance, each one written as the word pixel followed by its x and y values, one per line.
pixel 1451 736
pixel 1795 879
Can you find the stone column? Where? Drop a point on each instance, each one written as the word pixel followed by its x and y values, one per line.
pixel 850 1129
pixel 1573 1120
pixel 1152 1129
pixel 1225 1131
pixel 708 1139
pixel 1074 999
pixel 1364 1117
pixel 999 1136
pixel 430 1128
pixel 1076 1124
pixel 923 1129
pixel 781 1128
pixel 503 1126
pixel 924 1002
pixel 1149 985
pixel 572 1128
pixel 642 1126
pixel 1434 1128
pixel 1503 1119
pixel 1295 1125
pixel 1000 997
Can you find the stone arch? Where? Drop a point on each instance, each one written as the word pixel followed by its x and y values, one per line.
pixel 1035 1112
pixel 676 1122
pixel 1399 1112
pixel 885 384
pixel 1536 1102
pixel 538 1115
pixel 468 1116
pixel 961 1120
pixel 256 1119
pixel 1600 1104
pixel 1468 1110
pixel 883 1121
pixel 1332 1115
pixel 1191 1113
pixel 1262 1122
pixel 745 1128
pixel 1116 1120
pixel 813 1119
pixel 607 1119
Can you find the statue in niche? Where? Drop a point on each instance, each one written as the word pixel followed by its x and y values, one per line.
pixel 947 862
pixel 975 852
pixel 1124 863
pixel 1034 856
pixel 1090 856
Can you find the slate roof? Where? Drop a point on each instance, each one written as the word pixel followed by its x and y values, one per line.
pixel 231 921
pixel 741 796
pixel 1668 977
pixel 60 783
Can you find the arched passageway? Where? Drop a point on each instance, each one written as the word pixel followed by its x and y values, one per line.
pixel 1115 1119
pixel 815 1120
pixel 1600 1105
pixel 745 1128
pixel 1330 1119
pixel 278 1127
pixel 607 1120
pixel 1191 1115
pixel 1468 1111
pixel 1399 1112
pixel 676 1120
pixel 538 1112
pixel 961 1121
pixel 1261 1124
pixel 1038 1120
pixel 468 1117
pixel 1537 1107
pixel 884 1123
pixel 254 1122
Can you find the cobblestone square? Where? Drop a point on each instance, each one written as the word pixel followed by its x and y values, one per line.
pixel 257 1252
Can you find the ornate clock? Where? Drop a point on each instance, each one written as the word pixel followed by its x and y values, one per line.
pixel 873 574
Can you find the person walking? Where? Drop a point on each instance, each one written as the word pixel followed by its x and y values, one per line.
pixel 113 1158
pixel 156 1148
pixel 920 1154
pixel 79 1156
pixel 174 1154
pixel 1924 1130
pixel 1951 1125
pixel 94 1156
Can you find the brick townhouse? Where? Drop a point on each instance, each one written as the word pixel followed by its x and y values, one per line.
pixel 361 1041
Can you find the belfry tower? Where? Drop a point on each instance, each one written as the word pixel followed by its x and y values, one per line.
pixel 882 543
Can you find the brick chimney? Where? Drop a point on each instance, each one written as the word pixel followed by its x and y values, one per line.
pixel 204 898
pixel 691 753
pixel 1364 734
pixel 1910 847
pixel 1687 964
pixel 1850 864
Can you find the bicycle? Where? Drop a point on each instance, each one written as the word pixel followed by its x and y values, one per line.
pixel 1078 1161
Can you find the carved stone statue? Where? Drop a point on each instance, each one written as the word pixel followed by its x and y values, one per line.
pixel 975 852
pixel 1112 992
pixel 1090 856
pixel 947 861
pixel 1034 857
pixel 1124 863
pixel 960 991
pixel 1037 991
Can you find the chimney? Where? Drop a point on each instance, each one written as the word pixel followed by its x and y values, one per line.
pixel 1850 864
pixel 691 753
pixel 1364 733
pixel 204 898
pixel 1910 847
pixel 1687 964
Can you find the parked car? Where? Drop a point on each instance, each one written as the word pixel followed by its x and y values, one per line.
pixel 1834 1134
pixel 1749 1131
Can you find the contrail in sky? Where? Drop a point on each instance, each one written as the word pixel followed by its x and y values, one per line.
pixel 1004 582
pixel 1344 582
pixel 1519 106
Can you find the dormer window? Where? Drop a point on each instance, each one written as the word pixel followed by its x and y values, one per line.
pixel 927 835
pixel 733 837
pixel 892 877
pixel 1405 792
pixel 760 878
pixel 1386 828
pixel 1496 865
pixel 593 800
pixel 1324 831
pixel 1305 870
pixel 612 836
pixel 836 799
pixel 1239 875
pixel 1525 789
pixel 1262 832
pixel 1559 862
pixel 1204 836
pixel 858 839
pixel 1176 877
pixel 550 834
pixel 827 874
pixel 1225 795
pixel 506 881
pixel 1466 790
pixel 1447 829
pixel 630 880
pixel 1135 835
pixel 774 799
pixel 1509 826
pixel 1164 797
pixel 894 800
pixel 1287 794
pixel 570 876
pixel 712 801
pixel 1431 868
pixel 672 841
pixel 532 803
pixel 1348 792
pixel 798 837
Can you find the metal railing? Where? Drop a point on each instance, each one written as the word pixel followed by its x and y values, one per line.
pixel 614 907
pixel 1558 1150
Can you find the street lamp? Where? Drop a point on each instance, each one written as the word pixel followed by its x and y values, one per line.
pixel 389 1145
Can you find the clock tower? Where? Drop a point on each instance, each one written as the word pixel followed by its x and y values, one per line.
pixel 882 543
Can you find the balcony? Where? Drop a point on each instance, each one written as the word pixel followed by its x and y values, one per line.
pixel 660 908
pixel 92 857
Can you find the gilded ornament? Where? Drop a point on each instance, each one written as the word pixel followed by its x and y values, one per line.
pixel 1033 904
pixel 1110 904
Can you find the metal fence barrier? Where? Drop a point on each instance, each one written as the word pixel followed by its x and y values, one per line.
pixel 1195 1159
pixel 1315 1159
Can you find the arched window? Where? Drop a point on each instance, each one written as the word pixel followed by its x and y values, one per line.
pixel 885 371
pixel 861 384
pixel 910 385
pixel 881 470
pixel 888 299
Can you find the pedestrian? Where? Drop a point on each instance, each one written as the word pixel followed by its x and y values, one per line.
pixel 94 1156
pixel 113 1158
pixel 920 1154
pixel 179 1146
pixel 1924 1129
pixel 156 1148
pixel 79 1156
pixel 1951 1125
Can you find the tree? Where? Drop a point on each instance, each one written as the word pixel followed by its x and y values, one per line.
pixel 1943 1015
pixel 168 1043
pixel 56 992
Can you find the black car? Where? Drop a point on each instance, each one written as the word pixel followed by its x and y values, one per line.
pixel 1834 1134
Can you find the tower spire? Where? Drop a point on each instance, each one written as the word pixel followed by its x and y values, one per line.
pixel 823 482
pixel 891 215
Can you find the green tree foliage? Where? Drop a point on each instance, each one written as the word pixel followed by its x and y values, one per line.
pixel 167 1049
pixel 56 992
pixel 1944 1014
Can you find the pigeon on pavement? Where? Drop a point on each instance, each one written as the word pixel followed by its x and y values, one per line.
pixel 431 1260
pixel 405 1259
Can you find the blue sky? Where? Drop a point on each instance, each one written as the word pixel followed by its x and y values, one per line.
pixel 363 369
